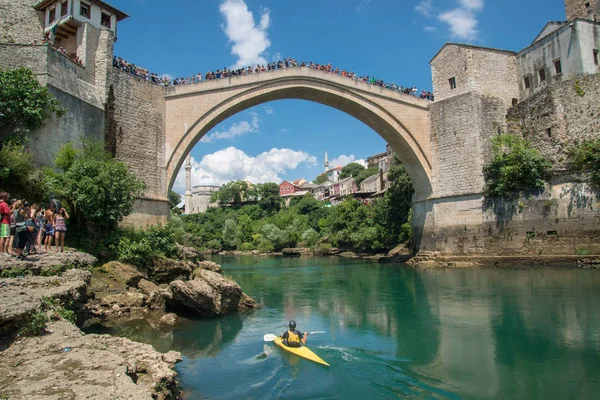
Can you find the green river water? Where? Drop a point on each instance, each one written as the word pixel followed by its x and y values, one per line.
pixel 395 332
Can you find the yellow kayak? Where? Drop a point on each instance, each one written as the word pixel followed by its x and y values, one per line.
pixel 303 351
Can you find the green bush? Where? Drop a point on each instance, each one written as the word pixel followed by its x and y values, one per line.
pixel 515 169
pixel 35 325
pixel 586 157
pixel 310 237
pixel 67 315
pixel 135 252
pixel 214 244
pixel 246 246
pixel 265 246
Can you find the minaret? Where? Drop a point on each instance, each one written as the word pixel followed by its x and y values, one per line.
pixel 188 184
pixel 326 162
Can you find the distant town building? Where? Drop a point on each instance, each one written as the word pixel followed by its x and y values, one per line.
pixel 379 160
pixel 333 175
pixel 201 198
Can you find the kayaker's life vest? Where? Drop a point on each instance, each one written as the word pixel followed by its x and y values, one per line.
pixel 293 340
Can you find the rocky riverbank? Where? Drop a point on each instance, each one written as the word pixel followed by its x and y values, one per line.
pixel 401 253
pixel 435 260
pixel 45 355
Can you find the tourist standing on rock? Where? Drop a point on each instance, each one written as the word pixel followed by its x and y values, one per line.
pixel 20 214
pixel 11 205
pixel 49 217
pixel 60 229
pixel 40 220
pixel 4 222
pixel 32 229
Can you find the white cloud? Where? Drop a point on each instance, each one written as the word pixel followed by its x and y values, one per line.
pixel 475 5
pixel 462 22
pixel 344 160
pixel 430 29
pixel 361 5
pixel 233 164
pixel 424 7
pixel 250 40
pixel 235 130
pixel 284 130
pixel 268 110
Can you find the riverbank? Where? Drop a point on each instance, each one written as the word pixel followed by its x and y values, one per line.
pixel 45 301
pixel 433 260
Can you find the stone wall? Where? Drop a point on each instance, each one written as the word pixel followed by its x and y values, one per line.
pixel 19 22
pixel 577 9
pixel 562 220
pixel 135 128
pixel 559 116
pixel 460 129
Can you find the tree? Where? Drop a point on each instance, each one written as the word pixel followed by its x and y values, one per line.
pixel 351 170
pixel 586 157
pixel 233 192
pixel 99 189
pixel 174 199
pixel 515 169
pixel 18 174
pixel 230 234
pixel 393 211
pixel 24 103
pixel 321 179
pixel 268 197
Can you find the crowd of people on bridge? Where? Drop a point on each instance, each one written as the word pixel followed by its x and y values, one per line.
pixel 29 228
pixel 125 66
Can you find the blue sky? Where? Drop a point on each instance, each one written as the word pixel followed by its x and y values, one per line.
pixel 390 39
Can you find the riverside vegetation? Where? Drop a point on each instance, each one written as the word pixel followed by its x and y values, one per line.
pixel 268 227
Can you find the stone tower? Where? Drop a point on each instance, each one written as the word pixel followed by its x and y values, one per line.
pixel 326 162
pixel 188 184
pixel 583 9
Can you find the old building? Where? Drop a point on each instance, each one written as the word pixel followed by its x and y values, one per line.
pixel 380 161
pixel 562 51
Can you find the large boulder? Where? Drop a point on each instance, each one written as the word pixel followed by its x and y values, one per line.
pixel 209 266
pixel 209 295
pixel 189 253
pixel 165 270
pixel 123 273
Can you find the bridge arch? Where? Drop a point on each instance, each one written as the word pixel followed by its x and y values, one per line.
pixel 400 119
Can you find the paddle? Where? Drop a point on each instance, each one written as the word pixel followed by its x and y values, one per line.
pixel 269 337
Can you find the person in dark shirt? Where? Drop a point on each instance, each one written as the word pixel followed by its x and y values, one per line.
pixel 294 338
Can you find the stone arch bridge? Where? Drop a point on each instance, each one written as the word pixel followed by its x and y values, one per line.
pixel 153 129
pixel 400 119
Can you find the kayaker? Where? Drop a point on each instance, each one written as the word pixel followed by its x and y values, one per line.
pixel 294 338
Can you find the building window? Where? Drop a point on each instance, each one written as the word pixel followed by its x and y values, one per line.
pixel 549 132
pixel 557 67
pixel 596 57
pixel 452 82
pixel 542 74
pixel 64 8
pixel 85 10
pixel 105 21
pixel 52 16
pixel 527 82
pixel 515 101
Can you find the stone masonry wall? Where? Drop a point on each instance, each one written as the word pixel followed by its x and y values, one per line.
pixel 461 128
pixel 559 116
pixel 19 22
pixel 563 220
pixel 577 9
pixel 135 128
